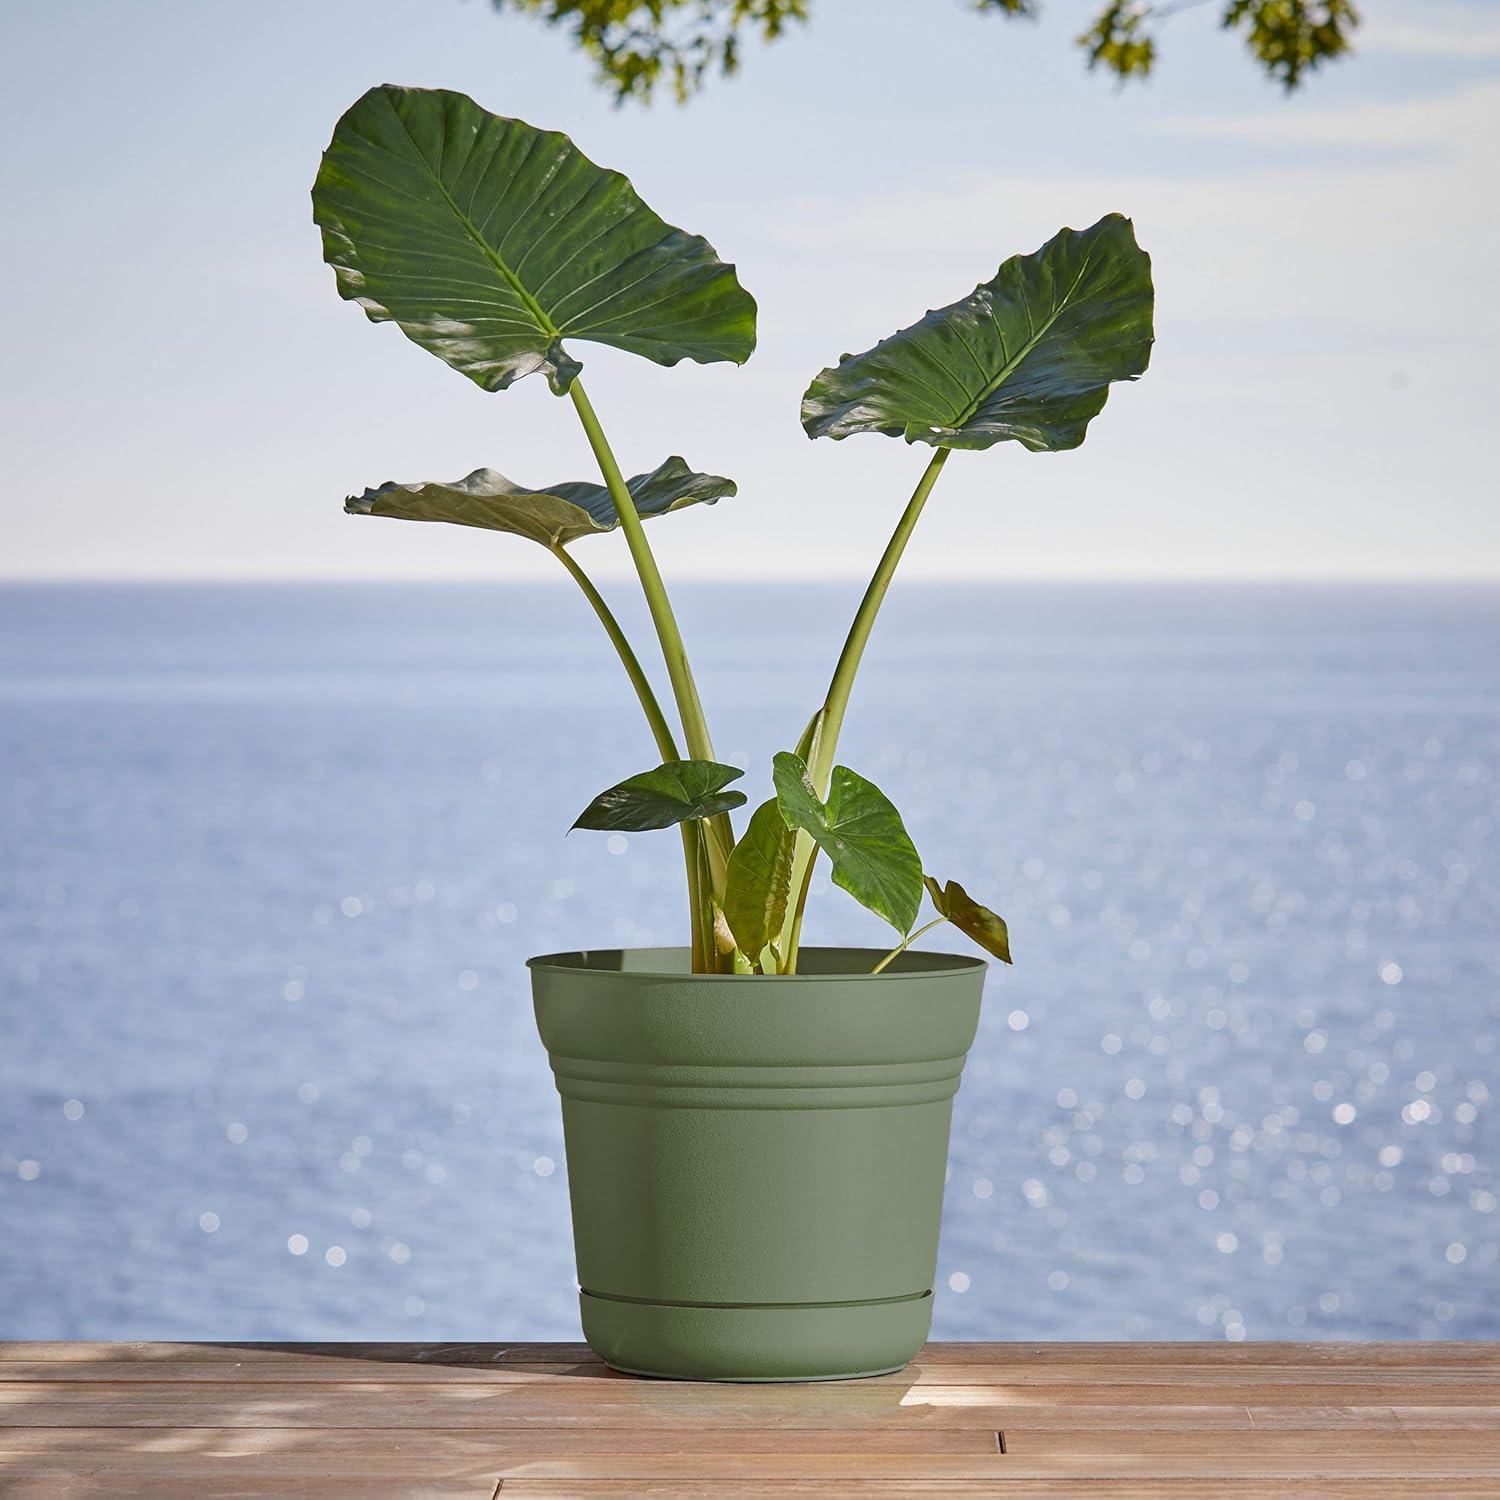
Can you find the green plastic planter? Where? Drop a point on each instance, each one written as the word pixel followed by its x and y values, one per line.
pixel 756 1164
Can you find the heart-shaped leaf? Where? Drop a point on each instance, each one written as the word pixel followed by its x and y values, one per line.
pixel 554 516
pixel 488 242
pixel 973 920
pixel 1029 355
pixel 672 793
pixel 758 880
pixel 862 834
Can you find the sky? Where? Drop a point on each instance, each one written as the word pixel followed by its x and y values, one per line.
pixel 185 395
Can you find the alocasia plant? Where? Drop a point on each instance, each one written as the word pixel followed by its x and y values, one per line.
pixel 490 243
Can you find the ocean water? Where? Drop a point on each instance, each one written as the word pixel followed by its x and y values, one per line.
pixel 271 859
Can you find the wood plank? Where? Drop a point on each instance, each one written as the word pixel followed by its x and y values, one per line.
pixel 185 1453
pixel 772 1472
pixel 1337 1389
pixel 1384 1442
pixel 220 1487
pixel 877 1489
pixel 481 1354
pixel 1067 1418
pixel 184 1364
pixel 836 1475
pixel 626 1403
pixel 1197 1357
pixel 234 1487
pixel 1170 1356
pixel 502 1444
pixel 287 1369
pixel 516 1451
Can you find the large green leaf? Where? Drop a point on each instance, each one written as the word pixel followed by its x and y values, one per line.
pixel 987 928
pixel 861 833
pixel 758 880
pixel 1029 355
pixel 554 516
pixel 672 793
pixel 488 242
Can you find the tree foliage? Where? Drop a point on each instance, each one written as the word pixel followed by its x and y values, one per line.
pixel 639 46
pixel 1291 37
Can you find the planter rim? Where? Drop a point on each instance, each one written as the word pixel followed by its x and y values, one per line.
pixel 914 963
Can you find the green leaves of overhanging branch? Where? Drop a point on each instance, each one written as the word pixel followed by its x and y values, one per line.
pixel 1292 37
pixel 1027 356
pixel 639 47
pixel 488 242
pixel 554 516
pixel 973 920
pixel 861 832
pixel 1119 38
pixel 672 793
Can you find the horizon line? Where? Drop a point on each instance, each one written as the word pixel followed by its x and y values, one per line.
pixel 309 579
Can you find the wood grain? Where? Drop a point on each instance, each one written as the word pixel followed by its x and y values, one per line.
pixel 346 1421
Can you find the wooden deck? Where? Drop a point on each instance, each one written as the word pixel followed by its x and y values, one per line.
pixel 513 1420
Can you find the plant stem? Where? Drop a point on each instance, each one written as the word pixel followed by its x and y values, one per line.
pixel 901 948
pixel 803 859
pixel 823 732
pixel 707 961
pixel 661 731
pixel 839 689
pixel 674 653
pixel 684 689
pixel 717 840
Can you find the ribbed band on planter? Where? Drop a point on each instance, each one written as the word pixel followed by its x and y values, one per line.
pixel 756 1164
pixel 828 1087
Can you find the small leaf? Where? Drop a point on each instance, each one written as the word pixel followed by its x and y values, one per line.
pixel 1027 356
pixel 758 880
pixel 973 920
pixel 672 793
pixel 554 516
pixel 862 834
